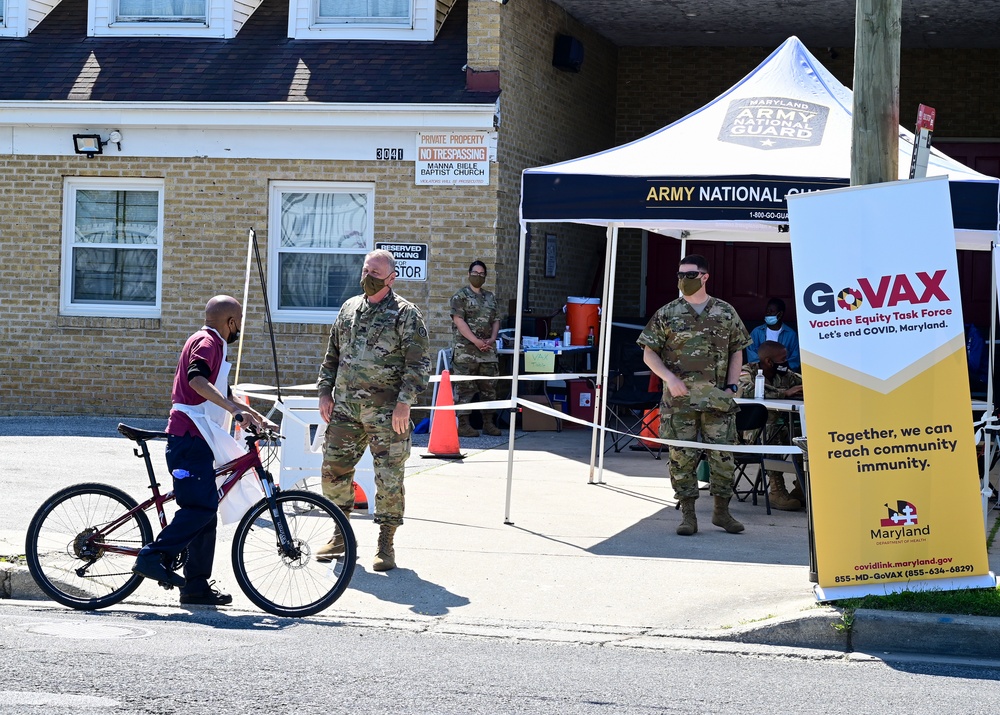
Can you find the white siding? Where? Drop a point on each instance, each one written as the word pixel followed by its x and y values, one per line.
pixel 242 10
pixel 301 27
pixel 101 23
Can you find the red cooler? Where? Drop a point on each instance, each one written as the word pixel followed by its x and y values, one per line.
pixel 581 401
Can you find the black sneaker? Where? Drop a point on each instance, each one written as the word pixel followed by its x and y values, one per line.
pixel 149 564
pixel 209 597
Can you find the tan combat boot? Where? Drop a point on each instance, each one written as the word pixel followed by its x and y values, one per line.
pixel 465 429
pixel 797 492
pixel 779 496
pixel 488 426
pixel 334 547
pixel 722 517
pixel 385 559
pixel 689 524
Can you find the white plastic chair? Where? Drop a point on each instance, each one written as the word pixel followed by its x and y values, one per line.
pixel 300 457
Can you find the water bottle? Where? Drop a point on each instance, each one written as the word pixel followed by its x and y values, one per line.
pixel 567 338
pixel 758 386
pixel 590 337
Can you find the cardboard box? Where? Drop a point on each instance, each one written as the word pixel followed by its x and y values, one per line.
pixel 532 421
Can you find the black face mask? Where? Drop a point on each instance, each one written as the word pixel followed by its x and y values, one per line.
pixel 781 367
pixel 233 337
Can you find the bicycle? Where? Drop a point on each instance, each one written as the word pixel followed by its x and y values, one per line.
pixel 83 540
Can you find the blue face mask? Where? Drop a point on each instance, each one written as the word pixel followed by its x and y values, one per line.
pixel 771 320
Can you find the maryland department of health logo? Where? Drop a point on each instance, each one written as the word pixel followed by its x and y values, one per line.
pixel 774 123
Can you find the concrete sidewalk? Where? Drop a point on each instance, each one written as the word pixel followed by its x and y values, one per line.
pixel 580 562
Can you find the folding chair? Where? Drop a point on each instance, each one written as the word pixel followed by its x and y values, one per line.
pixel 631 406
pixel 751 422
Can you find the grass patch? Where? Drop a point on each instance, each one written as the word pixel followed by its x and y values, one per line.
pixel 967 602
pixel 18 560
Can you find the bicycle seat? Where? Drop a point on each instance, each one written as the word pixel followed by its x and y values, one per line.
pixel 139 435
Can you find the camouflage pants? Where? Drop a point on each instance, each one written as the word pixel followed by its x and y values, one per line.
pixel 466 390
pixel 713 427
pixel 353 427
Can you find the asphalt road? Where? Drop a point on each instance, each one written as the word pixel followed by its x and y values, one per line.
pixel 157 661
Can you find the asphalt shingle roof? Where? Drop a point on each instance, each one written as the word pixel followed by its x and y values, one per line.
pixel 58 61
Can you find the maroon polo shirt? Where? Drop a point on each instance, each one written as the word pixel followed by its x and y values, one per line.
pixel 206 347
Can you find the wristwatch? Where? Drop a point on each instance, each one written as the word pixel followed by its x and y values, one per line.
pixel 733 388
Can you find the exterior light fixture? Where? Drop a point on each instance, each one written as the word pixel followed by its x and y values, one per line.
pixel 89 144
pixel 92 144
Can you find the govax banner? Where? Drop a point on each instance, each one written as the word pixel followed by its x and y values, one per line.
pixel 892 462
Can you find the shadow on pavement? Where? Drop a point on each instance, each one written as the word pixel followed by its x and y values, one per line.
pixel 406 587
pixel 778 539
pixel 221 618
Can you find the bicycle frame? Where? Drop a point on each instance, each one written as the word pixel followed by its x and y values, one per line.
pixel 232 471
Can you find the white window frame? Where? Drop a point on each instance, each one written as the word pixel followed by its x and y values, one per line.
pixel 276 190
pixel 117 19
pixel 406 22
pixel 304 23
pixel 71 185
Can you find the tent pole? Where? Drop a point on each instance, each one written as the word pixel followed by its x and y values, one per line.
pixel 987 434
pixel 601 401
pixel 514 372
pixel 599 384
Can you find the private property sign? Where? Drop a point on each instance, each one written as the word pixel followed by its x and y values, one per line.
pixel 411 259
pixel 452 158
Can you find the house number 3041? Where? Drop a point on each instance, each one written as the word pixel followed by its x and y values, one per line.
pixel 387 154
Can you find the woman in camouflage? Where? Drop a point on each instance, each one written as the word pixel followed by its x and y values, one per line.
pixel 475 324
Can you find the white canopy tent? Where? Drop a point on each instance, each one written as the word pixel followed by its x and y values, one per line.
pixel 722 173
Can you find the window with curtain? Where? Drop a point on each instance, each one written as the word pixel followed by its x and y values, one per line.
pixel 112 247
pixel 320 233
pixel 394 12
pixel 162 11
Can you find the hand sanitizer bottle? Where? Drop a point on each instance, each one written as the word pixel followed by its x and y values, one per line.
pixel 758 386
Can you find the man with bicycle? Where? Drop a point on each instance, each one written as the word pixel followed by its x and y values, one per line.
pixel 197 438
pixel 376 365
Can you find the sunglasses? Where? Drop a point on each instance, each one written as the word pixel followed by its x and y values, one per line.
pixel 690 275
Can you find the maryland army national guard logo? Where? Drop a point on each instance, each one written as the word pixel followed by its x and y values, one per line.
pixel 774 123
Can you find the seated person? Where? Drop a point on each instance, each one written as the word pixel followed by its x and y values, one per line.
pixel 774 329
pixel 780 382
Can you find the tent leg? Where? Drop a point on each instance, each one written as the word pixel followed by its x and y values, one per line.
pixel 514 372
pixel 604 350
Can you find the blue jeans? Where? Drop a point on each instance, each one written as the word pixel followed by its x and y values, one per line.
pixel 193 526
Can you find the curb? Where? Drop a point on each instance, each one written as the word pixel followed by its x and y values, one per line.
pixel 16 583
pixel 926 633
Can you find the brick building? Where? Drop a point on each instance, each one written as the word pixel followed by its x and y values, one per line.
pixel 285 116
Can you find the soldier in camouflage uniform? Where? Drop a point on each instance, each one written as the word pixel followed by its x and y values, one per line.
pixel 375 367
pixel 475 324
pixel 695 345
pixel 780 383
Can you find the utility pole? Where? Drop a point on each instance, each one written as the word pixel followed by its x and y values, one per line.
pixel 875 132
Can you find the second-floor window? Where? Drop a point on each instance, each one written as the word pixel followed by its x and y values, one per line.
pixel 383 12
pixel 162 11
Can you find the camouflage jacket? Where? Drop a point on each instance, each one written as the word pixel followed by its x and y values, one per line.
pixel 696 348
pixel 480 312
pixel 775 389
pixel 377 353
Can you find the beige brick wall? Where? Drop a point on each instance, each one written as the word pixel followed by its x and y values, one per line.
pixel 549 115
pixel 69 365
pixel 484 34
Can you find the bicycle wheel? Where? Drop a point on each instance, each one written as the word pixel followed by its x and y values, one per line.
pixel 69 566
pixel 293 584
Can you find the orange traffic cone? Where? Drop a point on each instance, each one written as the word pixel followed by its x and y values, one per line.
pixel 651 427
pixel 360 498
pixel 444 429
pixel 651 418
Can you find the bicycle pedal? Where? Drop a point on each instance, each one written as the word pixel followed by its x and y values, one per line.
pixel 166 586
